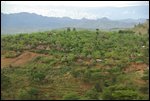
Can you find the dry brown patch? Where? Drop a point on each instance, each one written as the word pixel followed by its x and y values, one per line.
pixel 136 67
pixel 6 62
pixel 139 69
pixel 85 86
pixel 139 81
pixel 20 60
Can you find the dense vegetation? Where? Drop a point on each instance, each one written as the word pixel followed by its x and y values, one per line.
pixel 76 65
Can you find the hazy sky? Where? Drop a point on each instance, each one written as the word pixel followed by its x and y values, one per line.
pixel 73 9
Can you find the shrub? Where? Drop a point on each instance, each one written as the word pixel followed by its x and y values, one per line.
pixel 74 73
pixel 71 57
pixel 145 89
pixel 98 86
pixel 120 92
pixel 96 54
pixel 96 76
pixel 33 91
pixel 77 73
pixel 37 75
pixel 146 75
pixel 5 82
pixel 29 94
pixel 38 58
pixel 23 95
pixel 11 54
pixel 71 96
pixel 65 69
pixel 46 60
pixel 92 94
pixel 68 29
pixel 125 95
pixel 74 29
pixel 87 76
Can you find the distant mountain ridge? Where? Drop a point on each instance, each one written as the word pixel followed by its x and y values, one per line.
pixel 30 22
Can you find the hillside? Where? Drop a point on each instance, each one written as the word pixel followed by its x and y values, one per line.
pixel 139 29
pixel 31 22
pixel 142 28
pixel 71 64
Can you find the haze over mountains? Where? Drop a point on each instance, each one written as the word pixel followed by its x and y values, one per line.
pixel 27 16
pixel 30 22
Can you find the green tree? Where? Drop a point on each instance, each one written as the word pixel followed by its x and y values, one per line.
pixel 74 29
pixel 68 29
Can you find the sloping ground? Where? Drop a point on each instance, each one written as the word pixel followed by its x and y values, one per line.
pixel 142 28
pixel 136 67
pixel 20 60
pixel 138 70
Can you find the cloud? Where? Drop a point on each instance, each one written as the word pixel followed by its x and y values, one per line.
pixel 78 3
pixel 126 12
pixel 73 9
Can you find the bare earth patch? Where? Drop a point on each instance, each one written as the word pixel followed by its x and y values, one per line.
pixel 139 69
pixel 20 60
pixel 136 67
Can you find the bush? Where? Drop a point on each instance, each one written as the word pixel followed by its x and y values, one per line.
pixel 120 92
pixel 65 69
pixel 71 96
pixel 5 82
pixel 126 31
pixel 96 54
pixel 36 59
pixel 87 76
pixel 74 73
pixel 33 91
pixel 92 94
pixel 145 89
pixel 77 73
pixel 11 54
pixel 98 86
pixel 23 95
pixel 125 95
pixel 71 57
pixel 146 75
pixel 68 29
pixel 46 60
pixel 36 75
pixel 30 94
pixel 96 76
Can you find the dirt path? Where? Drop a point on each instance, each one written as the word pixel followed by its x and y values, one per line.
pixel 20 60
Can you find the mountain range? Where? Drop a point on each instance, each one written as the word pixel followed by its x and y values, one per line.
pixel 29 22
